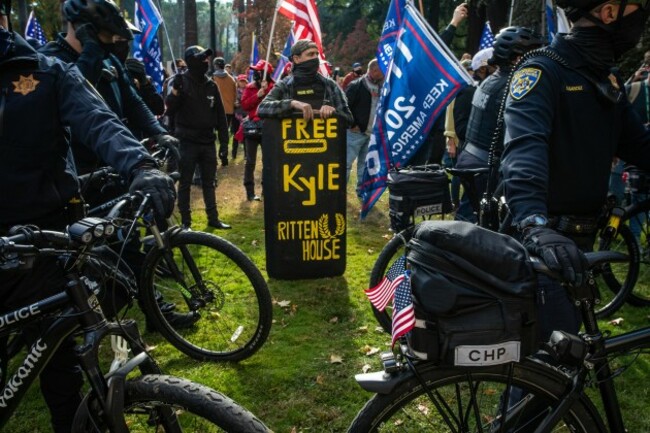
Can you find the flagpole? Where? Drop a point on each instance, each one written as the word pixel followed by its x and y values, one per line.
pixel 268 46
pixel 169 43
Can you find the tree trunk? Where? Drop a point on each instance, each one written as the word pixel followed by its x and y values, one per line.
pixel 475 23
pixel 191 31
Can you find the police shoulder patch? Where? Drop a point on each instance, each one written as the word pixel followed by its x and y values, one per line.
pixel 524 81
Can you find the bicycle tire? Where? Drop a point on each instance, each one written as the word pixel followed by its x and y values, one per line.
pixel 234 323
pixel 640 294
pixel 408 408
pixel 394 249
pixel 160 403
pixel 619 278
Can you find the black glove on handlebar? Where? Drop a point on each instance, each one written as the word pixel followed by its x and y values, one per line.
pixel 559 253
pixel 160 188
pixel 165 140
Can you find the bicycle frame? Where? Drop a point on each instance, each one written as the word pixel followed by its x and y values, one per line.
pixel 91 319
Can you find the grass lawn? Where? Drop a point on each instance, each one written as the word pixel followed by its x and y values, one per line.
pixel 302 380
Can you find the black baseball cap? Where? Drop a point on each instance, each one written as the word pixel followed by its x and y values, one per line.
pixel 197 51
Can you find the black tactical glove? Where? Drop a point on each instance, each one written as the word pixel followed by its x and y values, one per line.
pixel 160 188
pixel 165 140
pixel 559 253
pixel 86 34
pixel 136 69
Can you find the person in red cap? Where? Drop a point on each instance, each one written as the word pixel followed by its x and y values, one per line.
pixel 251 98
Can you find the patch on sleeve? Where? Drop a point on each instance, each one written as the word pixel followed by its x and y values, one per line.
pixel 524 81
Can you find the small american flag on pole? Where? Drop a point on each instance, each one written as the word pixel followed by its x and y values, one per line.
pixel 34 30
pixel 382 293
pixel 487 38
pixel 403 312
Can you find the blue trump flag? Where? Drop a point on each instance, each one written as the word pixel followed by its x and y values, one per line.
pixel 386 46
pixel 148 19
pixel 145 45
pixel 284 57
pixel 423 78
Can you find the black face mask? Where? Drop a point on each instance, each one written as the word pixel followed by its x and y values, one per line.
pixel 196 66
pixel 120 49
pixel 308 68
pixel 627 30
pixel 257 76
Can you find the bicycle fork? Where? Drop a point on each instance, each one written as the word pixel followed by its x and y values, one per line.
pixel 195 295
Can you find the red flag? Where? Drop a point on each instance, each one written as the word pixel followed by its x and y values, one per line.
pixel 304 14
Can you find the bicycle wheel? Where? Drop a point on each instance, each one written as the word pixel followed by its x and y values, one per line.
pixel 470 401
pixel 640 295
pixel 393 250
pixel 227 291
pixel 157 403
pixel 618 278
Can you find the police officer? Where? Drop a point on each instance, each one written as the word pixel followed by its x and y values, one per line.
pixel 39 184
pixel 509 45
pixel 195 104
pixel 566 119
pixel 95 30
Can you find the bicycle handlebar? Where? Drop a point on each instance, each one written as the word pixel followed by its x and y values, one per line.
pixel 594 259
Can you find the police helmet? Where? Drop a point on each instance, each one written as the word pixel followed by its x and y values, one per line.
pixel 514 41
pixel 103 14
pixel 578 8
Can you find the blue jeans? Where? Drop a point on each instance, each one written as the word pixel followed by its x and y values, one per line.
pixel 357 148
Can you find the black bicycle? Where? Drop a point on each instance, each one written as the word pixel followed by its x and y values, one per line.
pixel 618 279
pixel 196 274
pixel 115 403
pixel 542 393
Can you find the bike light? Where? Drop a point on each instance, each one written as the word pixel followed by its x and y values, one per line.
pixel 87 229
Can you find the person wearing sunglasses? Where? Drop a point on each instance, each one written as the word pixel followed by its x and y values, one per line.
pixel 566 118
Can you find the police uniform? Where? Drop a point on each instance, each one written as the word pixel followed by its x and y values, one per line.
pixel 40 97
pixel 565 121
pixel 108 76
pixel 564 124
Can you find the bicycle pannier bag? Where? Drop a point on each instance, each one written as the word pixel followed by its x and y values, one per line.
pixel 417 191
pixel 473 293
pixel 252 128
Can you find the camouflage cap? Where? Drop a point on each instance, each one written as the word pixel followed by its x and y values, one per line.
pixel 301 46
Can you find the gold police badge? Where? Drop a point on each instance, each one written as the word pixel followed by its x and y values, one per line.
pixel 524 81
pixel 25 85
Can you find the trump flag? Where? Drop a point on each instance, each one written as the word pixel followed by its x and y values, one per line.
pixel 389 33
pixel 423 78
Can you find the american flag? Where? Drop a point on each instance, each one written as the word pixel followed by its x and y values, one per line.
pixel 403 313
pixel 487 38
pixel 382 293
pixel 34 29
pixel 306 24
